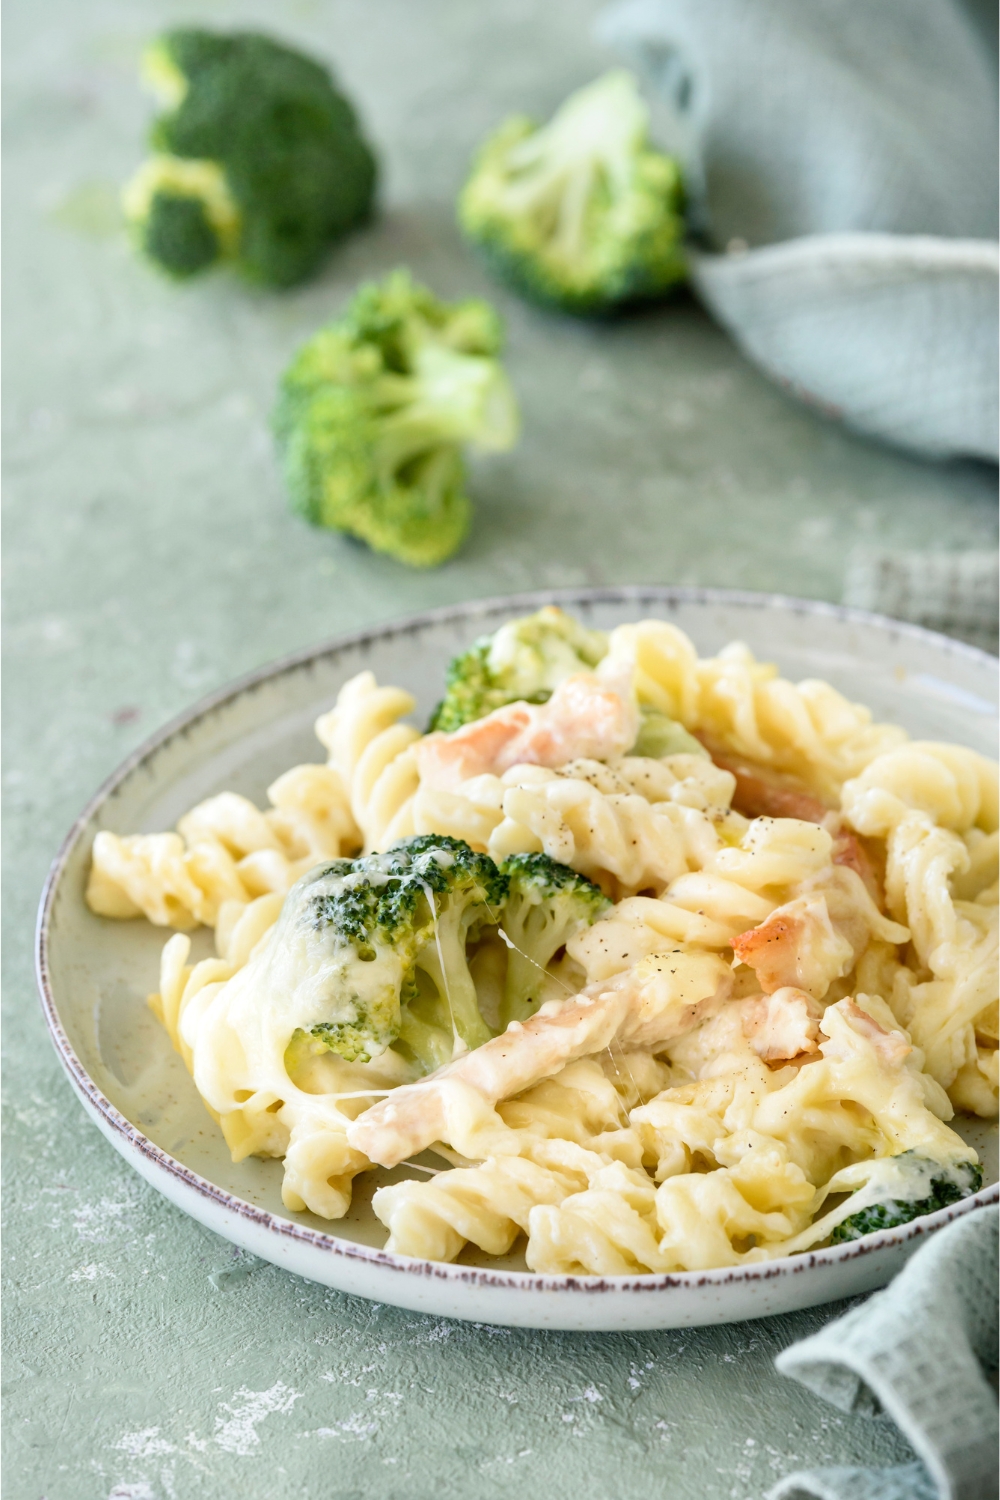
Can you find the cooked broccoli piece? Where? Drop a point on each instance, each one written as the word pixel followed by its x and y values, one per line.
pixel 257 159
pixel 582 212
pixel 660 736
pixel 375 408
pixel 936 1183
pixel 394 928
pixel 547 904
pixel 465 893
pixel 525 660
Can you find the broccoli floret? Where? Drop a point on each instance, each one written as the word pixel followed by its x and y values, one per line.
pixel 394 928
pixel 258 159
pixel 582 212
pixel 465 893
pixel 525 660
pixel 375 408
pixel 660 736
pixel 548 903
pixel 934 1185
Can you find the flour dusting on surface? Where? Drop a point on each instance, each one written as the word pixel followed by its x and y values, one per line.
pixel 239 1433
pixel 89 1273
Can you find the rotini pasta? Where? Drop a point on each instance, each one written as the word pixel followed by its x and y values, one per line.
pixel 225 851
pixel 743 705
pixel 759 1015
pixel 935 806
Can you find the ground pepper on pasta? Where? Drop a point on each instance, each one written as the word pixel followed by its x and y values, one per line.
pixel 752 1037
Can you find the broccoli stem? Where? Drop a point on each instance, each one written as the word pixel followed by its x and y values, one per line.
pixel 454 981
pixel 523 978
pixel 450 399
pixel 556 169
pixel 431 1046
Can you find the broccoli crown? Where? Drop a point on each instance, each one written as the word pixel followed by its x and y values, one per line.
pixel 547 904
pixel 394 929
pixel 938 1184
pixel 375 408
pixel 582 212
pixel 525 660
pixel 297 170
pixel 180 234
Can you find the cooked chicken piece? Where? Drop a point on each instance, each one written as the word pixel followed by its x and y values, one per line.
pixel 796 946
pixel 891 1046
pixel 782 1025
pixel 818 936
pixel 587 717
pixel 849 852
pixel 661 997
pixel 762 792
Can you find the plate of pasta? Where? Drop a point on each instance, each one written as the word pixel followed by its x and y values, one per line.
pixel 621 958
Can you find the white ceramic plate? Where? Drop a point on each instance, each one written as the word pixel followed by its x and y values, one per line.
pixel 94 974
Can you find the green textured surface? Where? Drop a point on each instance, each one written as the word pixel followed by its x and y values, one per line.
pixel 149 558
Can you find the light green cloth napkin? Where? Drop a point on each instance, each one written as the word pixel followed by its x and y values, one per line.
pixel 842 155
pixel 916 1351
pixel 957 593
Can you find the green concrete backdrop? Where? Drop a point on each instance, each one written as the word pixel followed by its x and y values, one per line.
pixel 149 558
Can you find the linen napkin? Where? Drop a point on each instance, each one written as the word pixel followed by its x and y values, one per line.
pixel 957 593
pixel 918 1352
pixel 843 153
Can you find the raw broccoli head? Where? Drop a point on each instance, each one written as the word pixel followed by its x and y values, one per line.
pixel 934 1186
pixel 525 660
pixel 375 409
pixel 394 928
pixel 547 904
pixel 258 159
pixel 582 212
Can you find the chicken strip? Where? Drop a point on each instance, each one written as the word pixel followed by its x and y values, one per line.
pixel 587 717
pixel 660 998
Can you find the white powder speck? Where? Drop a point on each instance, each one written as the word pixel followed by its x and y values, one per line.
pixel 437 1333
pixel 357 1427
pixel 144 1444
pixel 239 1433
pixel 95 1221
pixel 89 1273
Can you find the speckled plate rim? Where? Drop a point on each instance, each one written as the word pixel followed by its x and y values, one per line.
pixel 131 1142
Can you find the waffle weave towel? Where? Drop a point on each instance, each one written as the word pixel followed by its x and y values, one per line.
pixel 843 153
pixel 957 593
pixel 917 1352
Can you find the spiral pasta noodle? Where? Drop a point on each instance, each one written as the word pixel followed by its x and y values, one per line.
pixel 370 750
pixel 936 807
pixel 225 853
pixel 807 729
